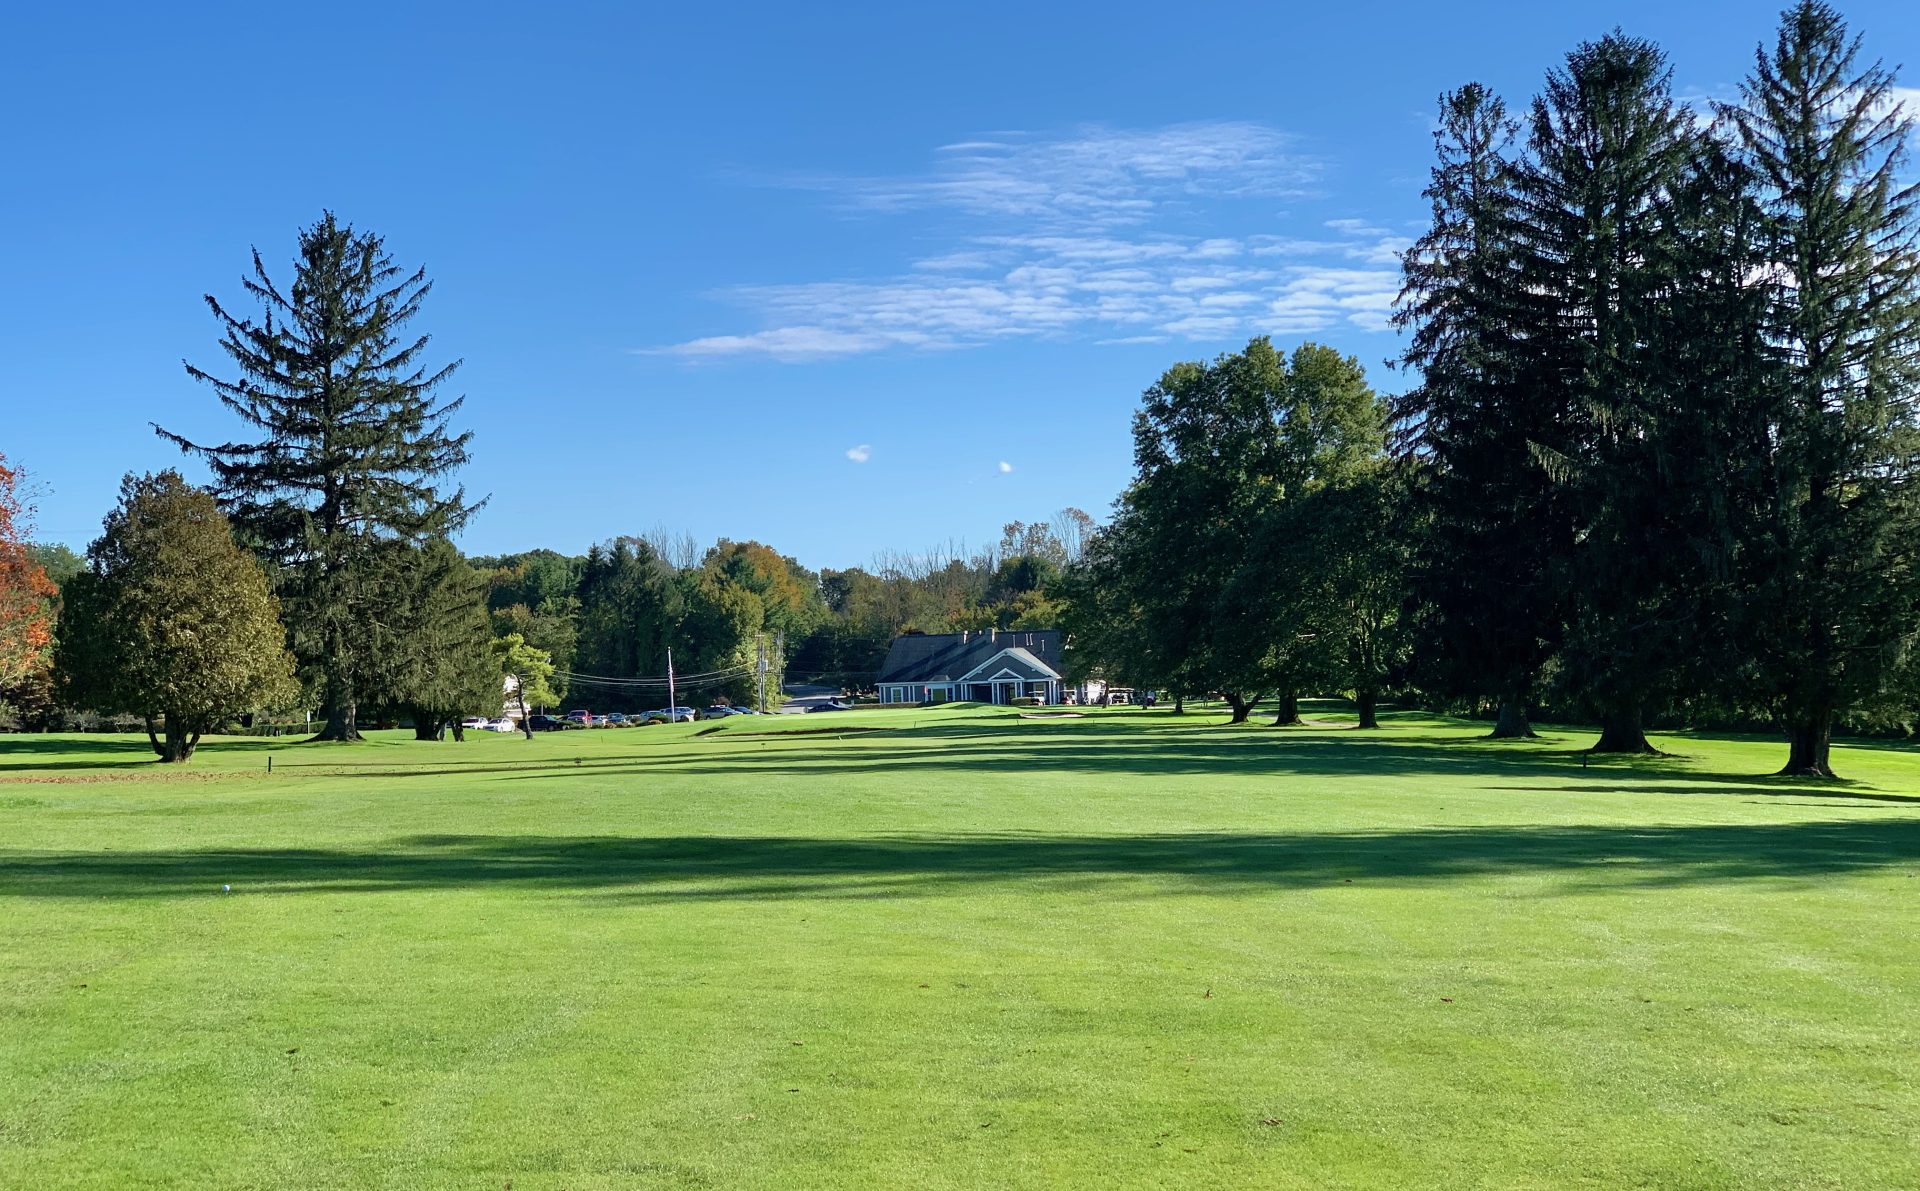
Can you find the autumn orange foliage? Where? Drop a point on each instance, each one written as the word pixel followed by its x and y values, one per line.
pixel 26 594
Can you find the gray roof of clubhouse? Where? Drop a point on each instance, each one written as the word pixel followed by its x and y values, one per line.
pixel 946 657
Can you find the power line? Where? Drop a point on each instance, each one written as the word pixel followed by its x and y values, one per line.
pixel 609 680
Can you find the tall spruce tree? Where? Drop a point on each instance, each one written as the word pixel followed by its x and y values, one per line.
pixel 1609 149
pixel 1487 570
pixel 1834 610
pixel 352 443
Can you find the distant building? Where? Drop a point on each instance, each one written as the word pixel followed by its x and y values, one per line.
pixel 984 666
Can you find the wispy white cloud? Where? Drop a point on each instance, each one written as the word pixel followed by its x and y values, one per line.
pixel 1314 299
pixel 1356 227
pixel 805 342
pixel 1071 237
pixel 1005 467
pixel 861 453
pixel 1096 175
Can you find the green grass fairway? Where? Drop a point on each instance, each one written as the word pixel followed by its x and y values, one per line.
pixel 962 949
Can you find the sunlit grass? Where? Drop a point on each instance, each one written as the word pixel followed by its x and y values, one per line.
pixel 957 948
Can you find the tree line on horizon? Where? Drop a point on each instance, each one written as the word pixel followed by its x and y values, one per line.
pixel 1656 464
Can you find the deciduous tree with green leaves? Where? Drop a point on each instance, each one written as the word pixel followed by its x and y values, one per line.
pixel 172 621
pixel 531 671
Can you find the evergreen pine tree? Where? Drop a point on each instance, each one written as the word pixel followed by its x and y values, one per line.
pixel 1835 608
pixel 438 650
pixel 1609 150
pixel 1487 571
pixel 352 441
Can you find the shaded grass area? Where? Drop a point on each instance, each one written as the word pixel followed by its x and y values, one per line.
pixel 802 866
pixel 959 949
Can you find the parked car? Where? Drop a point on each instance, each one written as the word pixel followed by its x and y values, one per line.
pixel 580 717
pixel 676 715
pixel 719 711
pixel 738 710
pixel 476 722
pixel 547 723
pixel 831 705
pixel 503 724
pixel 616 719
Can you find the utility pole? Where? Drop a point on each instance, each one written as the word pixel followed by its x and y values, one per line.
pixel 760 641
pixel 673 704
pixel 780 650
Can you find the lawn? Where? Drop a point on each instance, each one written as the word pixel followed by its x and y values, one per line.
pixel 958 948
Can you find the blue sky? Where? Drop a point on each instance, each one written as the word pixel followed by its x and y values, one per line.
pixel 839 278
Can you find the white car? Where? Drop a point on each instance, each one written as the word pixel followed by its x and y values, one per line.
pixel 503 725
pixel 476 722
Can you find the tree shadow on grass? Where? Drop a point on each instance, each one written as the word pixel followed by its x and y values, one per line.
pixel 1243 756
pixel 26 753
pixel 750 867
pixel 1400 756
pixel 1753 787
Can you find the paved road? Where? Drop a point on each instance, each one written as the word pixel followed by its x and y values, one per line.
pixel 801 696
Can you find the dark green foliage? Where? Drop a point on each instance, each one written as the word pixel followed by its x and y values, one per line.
pixel 59 562
pixel 439 647
pixel 1598 233
pixel 534 595
pixel 172 622
pixel 630 611
pixel 1834 607
pixel 722 627
pixel 353 443
pixel 1665 415
pixel 552 629
pixel 1332 563
pixel 1187 570
pixel 1487 570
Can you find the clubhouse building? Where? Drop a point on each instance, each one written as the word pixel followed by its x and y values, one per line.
pixel 985 666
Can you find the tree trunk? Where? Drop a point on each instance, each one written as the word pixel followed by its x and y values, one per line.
pixel 425 728
pixel 1368 703
pixel 342 723
pixel 179 743
pixel 153 738
pixel 521 699
pixel 340 706
pixel 1179 704
pixel 1620 732
pixel 1512 723
pixel 459 731
pixel 1286 710
pixel 1809 744
pixel 1242 708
